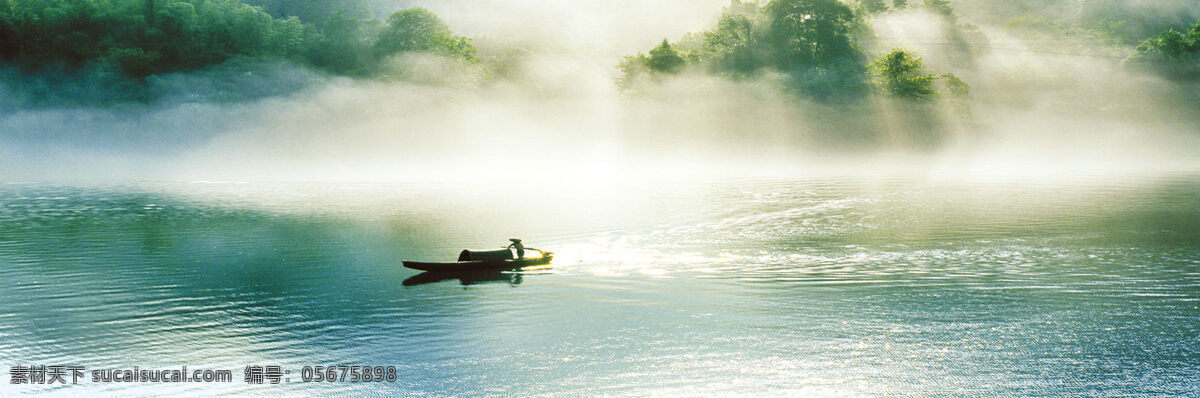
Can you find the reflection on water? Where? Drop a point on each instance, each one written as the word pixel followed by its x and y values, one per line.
pixel 843 286
pixel 465 278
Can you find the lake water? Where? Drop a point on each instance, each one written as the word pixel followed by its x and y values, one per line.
pixel 812 286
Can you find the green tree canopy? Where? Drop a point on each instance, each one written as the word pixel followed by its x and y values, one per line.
pixel 809 32
pixel 811 41
pixel 1172 53
pixel 941 7
pixel 313 11
pixel 1173 44
pixel 418 30
pixel 342 45
pixel 140 38
pixel 115 47
pixel 733 47
pixel 903 75
pixel 664 58
pixel 873 6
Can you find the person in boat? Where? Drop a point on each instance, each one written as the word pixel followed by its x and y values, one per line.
pixel 516 243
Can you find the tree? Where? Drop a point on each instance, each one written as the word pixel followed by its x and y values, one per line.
pixel 133 62
pixel 118 44
pixel 809 32
pixel 313 11
pixel 665 59
pixel 810 41
pixel 9 43
pixel 733 47
pixel 941 7
pixel 149 12
pixel 957 87
pixel 633 68
pixel 1172 44
pixel 873 6
pixel 418 30
pixel 341 46
pixel 1173 53
pixel 903 75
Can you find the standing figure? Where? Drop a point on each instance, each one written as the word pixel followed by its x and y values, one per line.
pixel 516 243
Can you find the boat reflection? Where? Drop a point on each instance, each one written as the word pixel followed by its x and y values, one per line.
pixel 465 278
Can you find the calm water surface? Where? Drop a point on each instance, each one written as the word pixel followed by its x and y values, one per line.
pixel 817 286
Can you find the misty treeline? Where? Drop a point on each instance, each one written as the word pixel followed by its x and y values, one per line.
pixel 135 39
pixel 1175 53
pixel 1162 36
pixel 101 50
pixel 822 46
pixel 1119 22
pixel 810 39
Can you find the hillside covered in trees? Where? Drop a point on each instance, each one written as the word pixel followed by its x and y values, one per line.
pixel 827 49
pixel 97 51
pixel 123 41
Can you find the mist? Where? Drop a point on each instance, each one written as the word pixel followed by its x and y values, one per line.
pixel 552 110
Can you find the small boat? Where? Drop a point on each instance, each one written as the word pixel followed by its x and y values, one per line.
pixel 484 260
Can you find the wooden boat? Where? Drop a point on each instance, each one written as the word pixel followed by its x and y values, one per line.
pixel 484 260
